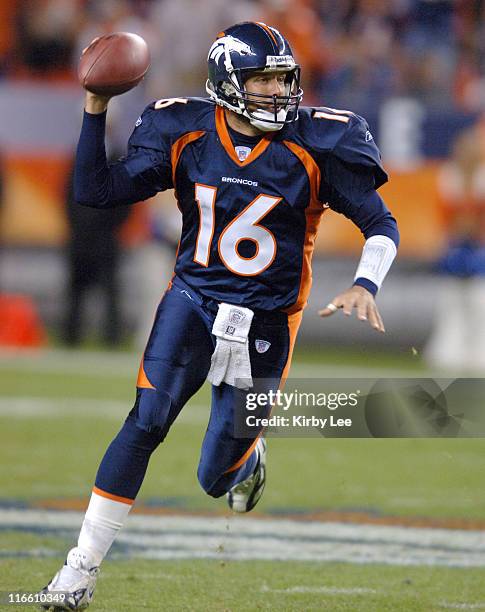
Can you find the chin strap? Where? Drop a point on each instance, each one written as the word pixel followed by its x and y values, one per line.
pixel 264 120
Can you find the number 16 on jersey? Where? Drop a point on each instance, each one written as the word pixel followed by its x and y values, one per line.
pixel 244 227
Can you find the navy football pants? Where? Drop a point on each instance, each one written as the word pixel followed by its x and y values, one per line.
pixel 174 366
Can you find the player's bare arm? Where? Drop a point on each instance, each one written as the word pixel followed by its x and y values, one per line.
pixel 96 104
pixel 362 301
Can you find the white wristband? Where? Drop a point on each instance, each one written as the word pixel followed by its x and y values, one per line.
pixel 377 256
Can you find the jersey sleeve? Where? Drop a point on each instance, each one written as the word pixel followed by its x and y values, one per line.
pixel 148 157
pixel 352 168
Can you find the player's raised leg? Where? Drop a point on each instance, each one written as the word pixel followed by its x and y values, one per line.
pixel 227 458
pixel 233 461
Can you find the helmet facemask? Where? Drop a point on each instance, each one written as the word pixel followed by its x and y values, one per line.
pixel 268 112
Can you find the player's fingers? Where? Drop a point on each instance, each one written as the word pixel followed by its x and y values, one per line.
pixel 375 319
pixel 329 309
pixel 91 43
pixel 362 310
pixel 348 305
pixel 380 322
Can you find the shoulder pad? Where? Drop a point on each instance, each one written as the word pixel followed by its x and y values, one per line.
pixel 321 128
pixel 343 135
pixel 357 146
pixel 169 118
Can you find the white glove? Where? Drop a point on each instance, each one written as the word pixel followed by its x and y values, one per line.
pixel 230 361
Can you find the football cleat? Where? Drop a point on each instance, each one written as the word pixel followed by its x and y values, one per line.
pixel 74 583
pixel 246 494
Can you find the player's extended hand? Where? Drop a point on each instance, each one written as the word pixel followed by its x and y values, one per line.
pixel 362 300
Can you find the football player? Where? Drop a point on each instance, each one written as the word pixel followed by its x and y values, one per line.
pixel 253 173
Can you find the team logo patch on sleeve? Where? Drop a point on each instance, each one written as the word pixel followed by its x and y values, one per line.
pixel 262 345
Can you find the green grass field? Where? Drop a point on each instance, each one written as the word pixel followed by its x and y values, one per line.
pixel 59 411
pixel 217 586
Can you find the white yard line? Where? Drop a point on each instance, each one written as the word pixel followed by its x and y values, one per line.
pixel 42 407
pixel 243 538
pixel 320 590
pixel 90 363
pixel 461 606
pixel 99 364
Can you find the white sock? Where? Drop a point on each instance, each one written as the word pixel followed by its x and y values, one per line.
pixel 104 518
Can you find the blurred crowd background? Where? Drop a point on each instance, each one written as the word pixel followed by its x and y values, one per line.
pixel 414 68
pixel 355 53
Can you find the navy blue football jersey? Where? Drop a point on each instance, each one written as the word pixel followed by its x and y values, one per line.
pixel 249 225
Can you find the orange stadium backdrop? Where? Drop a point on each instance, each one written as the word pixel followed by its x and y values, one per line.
pixel 34 200
pixel 33 209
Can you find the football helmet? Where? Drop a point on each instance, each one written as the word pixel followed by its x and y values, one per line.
pixel 246 48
